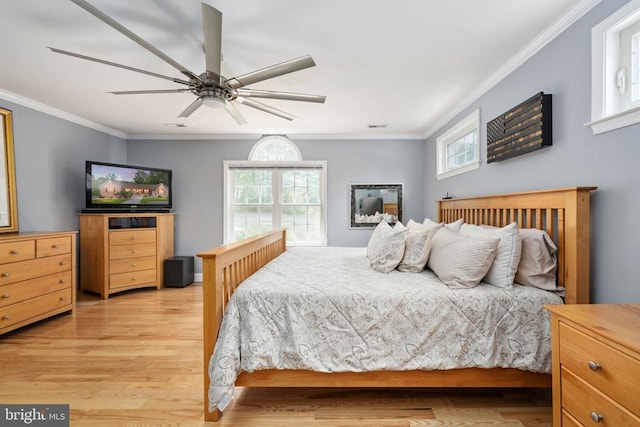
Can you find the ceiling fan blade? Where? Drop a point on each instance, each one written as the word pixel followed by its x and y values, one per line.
pixel 254 93
pixel 212 31
pixel 266 108
pixel 144 92
pixel 114 64
pixel 131 35
pixel 233 111
pixel 271 72
pixel 191 108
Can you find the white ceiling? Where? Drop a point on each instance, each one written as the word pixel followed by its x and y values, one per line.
pixel 409 64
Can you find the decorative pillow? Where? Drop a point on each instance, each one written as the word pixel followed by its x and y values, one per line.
pixel 386 247
pixel 538 263
pixel 417 246
pixel 454 226
pixel 503 270
pixel 461 261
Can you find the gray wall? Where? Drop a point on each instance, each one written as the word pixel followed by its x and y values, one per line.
pixel 577 157
pixel 198 181
pixel 50 156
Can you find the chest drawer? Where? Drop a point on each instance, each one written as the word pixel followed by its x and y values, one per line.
pixel 53 246
pixel 130 237
pixel 586 403
pixel 606 368
pixel 132 251
pixel 21 291
pixel 17 251
pixel 122 280
pixel 132 264
pixel 35 307
pixel 569 421
pixel 24 270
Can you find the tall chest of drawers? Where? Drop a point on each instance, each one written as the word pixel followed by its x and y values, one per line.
pixel 596 365
pixel 37 277
pixel 120 251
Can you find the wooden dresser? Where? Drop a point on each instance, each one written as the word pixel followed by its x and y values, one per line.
pixel 596 365
pixel 120 251
pixel 37 277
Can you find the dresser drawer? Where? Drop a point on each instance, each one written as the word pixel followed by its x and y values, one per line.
pixel 616 374
pixel 25 310
pixel 132 251
pixel 24 270
pixel 17 251
pixel 123 280
pixel 132 264
pixel 583 402
pixel 53 246
pixel 569 421
pixel 129 237
pixel 21 291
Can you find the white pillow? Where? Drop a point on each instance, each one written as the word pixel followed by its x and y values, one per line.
pixel 386 247
pixel 461 261
pixel 538 263
pixel 417 246
pixel 503 270
pixel 454 226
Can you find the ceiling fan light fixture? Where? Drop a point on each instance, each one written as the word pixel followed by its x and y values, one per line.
pixel 213 102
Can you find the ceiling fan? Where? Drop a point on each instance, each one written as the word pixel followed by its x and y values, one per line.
pixel 210 87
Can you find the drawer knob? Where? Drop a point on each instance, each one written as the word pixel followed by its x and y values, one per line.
pixel 55 246
pixel 5 274
pixel 594 366
pixel 63 262
pixel 63 298
pixel 133 264
pixel 6 317
pixel 133 237
pixel 5 296
pixel 133 251
pixel 63 280
pixel 13 252
pixel 134 278
pixel 596 417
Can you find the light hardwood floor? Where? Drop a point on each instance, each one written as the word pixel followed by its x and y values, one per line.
pixel 136 359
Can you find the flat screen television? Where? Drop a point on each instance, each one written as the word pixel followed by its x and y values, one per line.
pixel 112 187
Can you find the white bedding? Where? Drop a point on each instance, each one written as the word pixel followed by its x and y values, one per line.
pixel 324 309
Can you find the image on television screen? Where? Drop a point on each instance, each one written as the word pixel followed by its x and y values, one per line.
pixel 120 185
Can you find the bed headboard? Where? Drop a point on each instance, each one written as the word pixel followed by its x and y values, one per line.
pixel 562 213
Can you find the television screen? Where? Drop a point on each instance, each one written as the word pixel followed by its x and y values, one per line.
pixel 127 187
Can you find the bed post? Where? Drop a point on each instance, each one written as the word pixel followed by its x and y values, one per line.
pixel 577 245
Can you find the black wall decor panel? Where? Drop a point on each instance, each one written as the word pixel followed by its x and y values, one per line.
pixel 524 128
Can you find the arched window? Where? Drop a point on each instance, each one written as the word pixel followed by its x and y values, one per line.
pixel 275 148
pixel 275 188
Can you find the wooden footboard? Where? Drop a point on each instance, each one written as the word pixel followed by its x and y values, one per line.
pixel 563 213
pixel 223 269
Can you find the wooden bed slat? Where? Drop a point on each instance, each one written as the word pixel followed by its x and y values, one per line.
pixel 563 213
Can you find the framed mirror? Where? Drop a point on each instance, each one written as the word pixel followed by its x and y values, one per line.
pixel 371 203
pixel 8 206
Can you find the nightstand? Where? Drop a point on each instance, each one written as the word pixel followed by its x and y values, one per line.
pixel 596 364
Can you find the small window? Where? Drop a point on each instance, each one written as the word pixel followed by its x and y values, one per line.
pixel 458 149
pixel 275 148
pixel 615 89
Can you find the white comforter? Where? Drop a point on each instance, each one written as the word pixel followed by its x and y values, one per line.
pixel 324 309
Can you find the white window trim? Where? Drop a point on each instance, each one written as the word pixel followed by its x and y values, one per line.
pixel 460 129
pixel 228 195
pixel 603 34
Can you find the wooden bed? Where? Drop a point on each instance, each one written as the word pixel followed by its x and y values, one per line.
pixel 562 213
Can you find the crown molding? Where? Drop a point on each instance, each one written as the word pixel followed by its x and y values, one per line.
pixel 535 46
pixel 47 109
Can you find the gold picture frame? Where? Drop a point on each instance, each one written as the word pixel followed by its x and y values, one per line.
pixel 8 200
